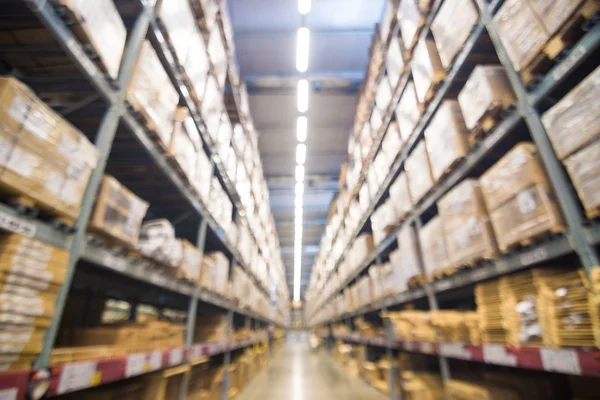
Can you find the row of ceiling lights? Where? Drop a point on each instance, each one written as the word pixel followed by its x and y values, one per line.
pixel 303 40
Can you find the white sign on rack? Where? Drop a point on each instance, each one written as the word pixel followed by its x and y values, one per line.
pixel 454 350
pixel 176 356
pixel 135 364
pixel 9 394
pixel 564 361
pixel 17 225
pixel 156 359
pixel 77 376
pixel 497 354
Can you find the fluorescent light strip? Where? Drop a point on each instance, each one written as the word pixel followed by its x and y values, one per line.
pixel 304 6
pixel 302 95
pixel 299 188
pixel 300 154
pixel 299 201
pixel 301 128
pixel 299 173
pixel 302 47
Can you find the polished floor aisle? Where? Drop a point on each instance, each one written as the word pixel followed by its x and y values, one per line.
pixel 296 373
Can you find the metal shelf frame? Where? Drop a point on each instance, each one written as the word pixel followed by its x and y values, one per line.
pixel 114 93
pixel 579 240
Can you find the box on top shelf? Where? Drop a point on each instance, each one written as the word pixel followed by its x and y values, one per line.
pixel 218 56
pixel 400 195
pixel 212 106
pixel 389 17
pixel 384 218
pixel 521 32
pixel 486 93
pixel 152 94
pixel 392 142
pixel 196 65
pixel 158 242
pixel 118 213
pixel 185 142
pixel 519 198
pixel 411 17
pixel 394 62
pixel 427 69
pixel 574 120
pixel 435 252
pixel 99 23
pixel 467 228
pixel 420 180
pixel 446 138
pixel 451 28
pixel 178 20
pixel 408 112
pixel 205 12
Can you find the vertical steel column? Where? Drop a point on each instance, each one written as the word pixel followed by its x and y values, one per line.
pixel 567 198
pixel 227 358
pixel 103 142
pixel 389 347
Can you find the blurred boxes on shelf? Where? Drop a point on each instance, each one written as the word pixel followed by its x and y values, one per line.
pixel 215 272
pixel 418 385
pixel 185 143
pixel 519 198
pixel 191 262
pixel 427 69
pixel 152 94
pixel 411 17
pixel 489 307
pixel 420 180
pixel 196 64
pixel 553 14
pixel 220 205
pixel 394 62
pixel 451 27
pixel 210 328
pixel 466 225
pixel 406 259
pixel 118 213
pixel 584 169
pixel 446 138
pixel 408 112
pixel 383 96
pixel 158 243
pixel 218 56
pixel 212 106
pixel 435 255
pixel 177 18
pixel 383 220
pixel 400 195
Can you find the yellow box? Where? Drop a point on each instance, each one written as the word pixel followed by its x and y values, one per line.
pixel 41 305
pixel 21 340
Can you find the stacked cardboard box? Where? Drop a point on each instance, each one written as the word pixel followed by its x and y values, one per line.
pixel 418 170
pixel 191 262
pixel 435 254
pixel 215 272
pixel 489 307
pixel 406 258
pixel 427 69
pixel 411 17
pixel 158 242
pixel 400 196
pixel 408 112
pixel 46 162
pixel 383 220
pixel 413 325
pixel 31 273
pixel 210 328
pixel 519 198
pixel 572 125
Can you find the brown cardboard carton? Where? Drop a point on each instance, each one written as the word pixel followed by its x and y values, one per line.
pixel 191 261
pixel 363 246
pixel 456 389
pixel 487 90
pixel 520 168
pixel 435 255
pixel 14 362
pixel 196 65
pixel 584 169
pixel 575 120
pixel 418 171
pixel 521 32
pixel 446 138
pixel 118 212
pixel 391 143
pixel 41 305
pixel 408 112
pixel 394 62
pixel 427 69
pixel 17 340
pixel 410 15
pixel 451 28
pixel 185 142
pixel 178 20
pixel 37 275
pixel 466 198
pixel 553 14
pixel 407 257
pixel 400 196
pixel 24 246
pixel 382 221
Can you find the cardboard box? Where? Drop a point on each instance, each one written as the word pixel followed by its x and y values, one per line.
pixel 219 266
pixel 24 246
pixel 191 262
pixel 212 106
pixel 365 290
pixel 36 277
pixel 427 69
pixel 152 94
pixel 383 96
pixel 203 176
pixel 392 143
pixel 158 242
pixel 487 90
pixel 400 195
pixel 573 121
pixel 408 112
pixel 16 340
pixel 99 24
pixel 435 254
pixel 446 138
pixel 451 27
pixel 41 305
pixel 218 56
pixel 118 213
pixel 553 14
pixel 418 171
pixel 408 257
pixel 584 169
pixel 384 218
pixel 178 20
pixel 196 64
pixel 185 142
pixel 362 247
pixel 394 62
pixel 410 15
pixel 522 33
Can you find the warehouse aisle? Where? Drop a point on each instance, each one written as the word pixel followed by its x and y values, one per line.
pixel 296 373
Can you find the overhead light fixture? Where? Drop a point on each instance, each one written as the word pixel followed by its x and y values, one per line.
pixel 304 6
pixel 299 173
pixel 299 188
pixel 301 128
pixel 299 201
pixel 300 153
pixel 298 222
pixel 298 212
pixel 303 40
pixel 302 95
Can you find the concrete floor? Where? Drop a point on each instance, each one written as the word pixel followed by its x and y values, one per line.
pixel 296 373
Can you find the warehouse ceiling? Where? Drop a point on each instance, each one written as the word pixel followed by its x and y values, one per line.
pixel 265 39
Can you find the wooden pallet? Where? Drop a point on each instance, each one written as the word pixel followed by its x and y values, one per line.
pixel 593 213
pixel 488 122
pixel 570 32
pixel 416 281
pixel 444 272
pixel 536 239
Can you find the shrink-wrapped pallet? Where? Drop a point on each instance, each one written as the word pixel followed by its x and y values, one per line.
pixel 408 112
pixel 451 27
pixel 427 69
pixel 446 138
pixel 435 255
pixel 575 120
pixel 407 256
pixel 522 33
pixel 486 92
pixel 467 228
pixel 152 94
pixel 420 180
pixel 118 213
pixel 394 62
pixel 177 18
pixel 584 169
pixel 384 218
pixel 400 196
pixel 99 24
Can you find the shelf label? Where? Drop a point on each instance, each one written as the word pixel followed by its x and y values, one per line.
pixel 17 225
pixel 534 256
pixel 156 359
pixel 569 62
pixel 454 350
pixel 77 376
pixel 497 354
pixel 9 394
pixel 564 361
pixel 136 364
pixel 176 356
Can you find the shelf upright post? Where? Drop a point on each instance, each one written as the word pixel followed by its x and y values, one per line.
pixel 227 357
pixel 390 340
pixel 103 142
pixel 560 182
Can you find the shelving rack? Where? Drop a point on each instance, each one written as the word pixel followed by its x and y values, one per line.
pixel 121 139
pixel 579 241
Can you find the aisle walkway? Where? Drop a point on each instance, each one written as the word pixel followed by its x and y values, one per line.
pixel 296 373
